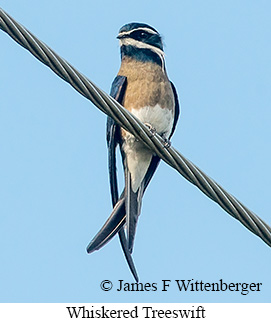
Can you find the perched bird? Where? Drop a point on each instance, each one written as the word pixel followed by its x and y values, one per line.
pixel 142 87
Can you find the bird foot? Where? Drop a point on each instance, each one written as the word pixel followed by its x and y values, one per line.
pixel 151 128
pixel 167 142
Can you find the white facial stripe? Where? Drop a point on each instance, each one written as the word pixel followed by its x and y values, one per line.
pixel 140 28
pixel 139 44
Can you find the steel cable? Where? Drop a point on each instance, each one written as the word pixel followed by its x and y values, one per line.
pixel 112 108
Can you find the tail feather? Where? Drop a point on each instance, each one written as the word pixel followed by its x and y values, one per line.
pixel 111 227
pixel 127 254
pixel 132 204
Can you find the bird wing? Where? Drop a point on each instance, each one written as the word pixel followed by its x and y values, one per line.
pixel 113 136
pixel 176 109
pixel 133 199
pixel 116 220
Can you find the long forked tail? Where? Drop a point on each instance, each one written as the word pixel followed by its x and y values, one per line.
pixel 127 254
pixel 116 221
pixel 132 205
pixel 112 226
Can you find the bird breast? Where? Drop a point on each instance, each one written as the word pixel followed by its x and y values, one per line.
pixel 150 98
pixel 149 94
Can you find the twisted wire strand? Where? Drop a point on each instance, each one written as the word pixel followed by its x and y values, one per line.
pixel 126 120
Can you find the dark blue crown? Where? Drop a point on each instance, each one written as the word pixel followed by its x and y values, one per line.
pixel 135 25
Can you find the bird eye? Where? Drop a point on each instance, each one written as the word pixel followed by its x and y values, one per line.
pixel 143 34
pixel 139 35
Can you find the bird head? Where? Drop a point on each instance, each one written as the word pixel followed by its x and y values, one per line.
pixel 141 42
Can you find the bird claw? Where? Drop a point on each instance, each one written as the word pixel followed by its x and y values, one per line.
pixel 151 128
pixel 167 142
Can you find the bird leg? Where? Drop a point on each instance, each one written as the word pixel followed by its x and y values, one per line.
pixel 167 142
pixel 151 128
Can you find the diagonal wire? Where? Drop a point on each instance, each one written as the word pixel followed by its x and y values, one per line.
pixel 112 108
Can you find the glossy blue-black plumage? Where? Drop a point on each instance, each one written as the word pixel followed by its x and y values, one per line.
pixel 116 221
pixel 140 54
pixel 139 32
pixel 135 25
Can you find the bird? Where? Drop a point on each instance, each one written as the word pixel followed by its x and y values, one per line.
pixel 143 88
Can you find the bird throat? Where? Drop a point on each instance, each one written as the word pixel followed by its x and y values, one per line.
pixel 142 54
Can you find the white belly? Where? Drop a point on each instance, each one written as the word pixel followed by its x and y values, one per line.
pixel 161 119
pixel 137 154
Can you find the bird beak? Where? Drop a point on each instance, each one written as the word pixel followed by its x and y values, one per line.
pixel 122 36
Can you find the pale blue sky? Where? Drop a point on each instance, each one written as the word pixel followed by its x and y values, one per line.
pixel 54 193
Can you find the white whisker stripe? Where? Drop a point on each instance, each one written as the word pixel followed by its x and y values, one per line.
pixel 139 44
